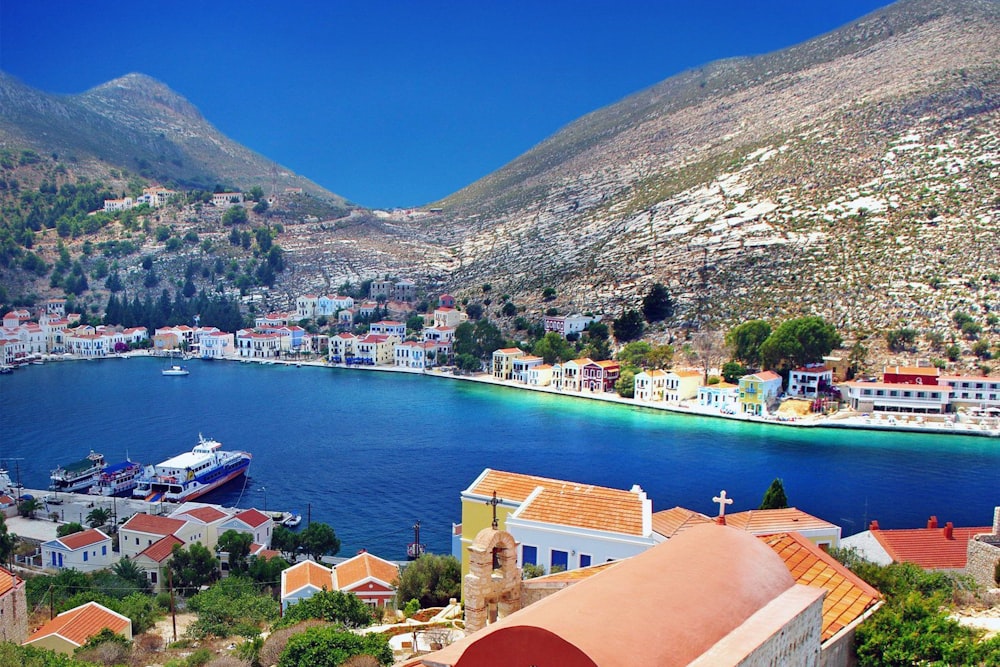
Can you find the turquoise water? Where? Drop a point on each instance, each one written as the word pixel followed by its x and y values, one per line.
pixel 370 453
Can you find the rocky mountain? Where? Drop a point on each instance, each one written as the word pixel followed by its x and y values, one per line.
pixel 853 176
pixel 137 124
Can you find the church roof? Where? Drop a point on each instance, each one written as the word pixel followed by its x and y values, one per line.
pixel 761 522
pixel 675 520
pixel 732 575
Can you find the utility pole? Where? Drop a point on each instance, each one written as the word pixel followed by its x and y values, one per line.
pixel 173 613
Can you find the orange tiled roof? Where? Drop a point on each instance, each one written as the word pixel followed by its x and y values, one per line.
pixel 574 575
pixel 848 596
pixel 933 371
pixel 252 518
pixel 161 549
pixel 83 539
pixel 206 514
pixel 8 580
pixel 761 522
pixel 593 507
pixel 676 520
pixel 929 548
pixel 81 623
pixel 766 376
pixel 364 566
pixel 516 487
pixel 687 374
pixel 154 525
pixel 306 573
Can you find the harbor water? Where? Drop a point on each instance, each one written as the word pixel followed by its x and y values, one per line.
pixel 370 453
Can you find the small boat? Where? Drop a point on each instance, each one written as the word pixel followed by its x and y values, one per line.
pixel 118 479
pixel 78 476
pixel 292 521
pixel 192 474
pixel 6 370
pixel 175 370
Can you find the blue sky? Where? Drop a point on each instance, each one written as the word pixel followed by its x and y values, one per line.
pixel 395 103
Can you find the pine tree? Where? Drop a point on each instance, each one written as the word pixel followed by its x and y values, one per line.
pixel 774 497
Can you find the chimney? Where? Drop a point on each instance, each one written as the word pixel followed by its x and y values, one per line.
pixel 949 531
pixel 873 525
pixel 721 520
pixel 932 523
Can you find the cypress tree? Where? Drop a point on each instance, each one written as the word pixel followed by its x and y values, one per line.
pixel 774 497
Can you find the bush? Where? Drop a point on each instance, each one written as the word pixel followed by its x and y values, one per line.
pixel 276 642
pixel 338 607
pixel 331 647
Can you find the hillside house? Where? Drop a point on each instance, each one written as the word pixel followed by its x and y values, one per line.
pixel 85 551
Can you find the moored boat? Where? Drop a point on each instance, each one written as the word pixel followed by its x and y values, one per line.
pixel 118 479
pixel 192 474
pixel 78 476
pixel 292 520
pixel 175 370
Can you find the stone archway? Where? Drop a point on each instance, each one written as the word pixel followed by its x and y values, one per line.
pixel 493 585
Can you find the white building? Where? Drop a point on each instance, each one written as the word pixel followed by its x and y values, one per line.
pixel 86 551
pixel 650 386
pixel 808 381
pixel 894 397
pixel 564 325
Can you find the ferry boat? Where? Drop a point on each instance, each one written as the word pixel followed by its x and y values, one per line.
pixel 175 370
pixel 118 479
pixel 190 475
pixel 78 476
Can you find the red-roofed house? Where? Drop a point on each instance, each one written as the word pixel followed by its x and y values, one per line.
pixel 503 362
pixel 599 376
pixel 303 580
pixel 374 350
pixel 142 530
pixel 85 551
pixel 208 516
pixel 13 608
pixel 369 577
pixel 932 548
pixel 71 629
pixel 252 522
pixel 153 559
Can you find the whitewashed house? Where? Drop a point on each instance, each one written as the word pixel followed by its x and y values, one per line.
pixel 86 551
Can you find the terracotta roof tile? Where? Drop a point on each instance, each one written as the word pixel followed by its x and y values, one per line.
pixel 161 549
pixel 205 514
pixel 306 573
pixel 364 566
pixel 575 574
pixel 848 596
pixel 593 507
pixel 761 522
pixel 152 524
pixel 252 518
pixel 676 520
pixel 80 623
pixel 928 547
pixel 8 580
pixel 83 539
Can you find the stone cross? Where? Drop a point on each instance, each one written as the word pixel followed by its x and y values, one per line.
pixel 496 501
pixel 723 501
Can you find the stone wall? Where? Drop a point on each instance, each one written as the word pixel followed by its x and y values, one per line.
pixel 14 614
pixel 983 555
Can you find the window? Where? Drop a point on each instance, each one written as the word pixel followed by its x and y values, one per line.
pixel 152 577
pixel 104 549
pixel 584 560
pixel 529 555
pixel 559 558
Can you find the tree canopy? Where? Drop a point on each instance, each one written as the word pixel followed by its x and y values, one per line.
pixel 553 348
pixel 629 326
pixel 192 567
pixel 657 305
pixel 318 540
pixel 744 341
pixel 237 545
pixel 432 579
pixel 329 646
pixel 798 342
pixel 774 497
pixel 345 609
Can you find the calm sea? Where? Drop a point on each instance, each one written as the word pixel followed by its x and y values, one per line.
pixel 370 453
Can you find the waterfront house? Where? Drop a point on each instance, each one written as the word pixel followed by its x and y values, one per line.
pixel 412 354
pixel 442 338
pixel 556 381
pixel 218 345
pixel 85 551
pixel 975 393
pixel 71 629
pixel 503 362
pixel 369 577
pixel 303 580
pixel 723 396
pixel 599 376
pixel 253 345
pixel 522 365
pixel 11 351
pixel 572 374
pixel 153 559
pixel 13 608
pixel 936 548
pixel 808 381
pixel 884 397
pixel 650 386
pixel 539 376
pixel 90 345
pixel 374 350
pixel 928 375
pixel 758 392
pixel 342 347
pixel 252 522
pixel 681 385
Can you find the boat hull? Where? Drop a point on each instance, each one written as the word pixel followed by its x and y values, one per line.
pixel 190 476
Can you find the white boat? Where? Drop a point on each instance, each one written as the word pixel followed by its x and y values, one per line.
pixel 78 476
pixel 175 370
pixel 118 479
pixel 190 475
pixel 292 521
